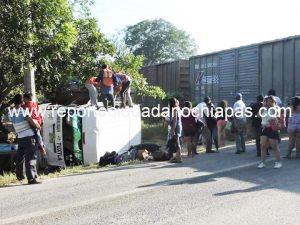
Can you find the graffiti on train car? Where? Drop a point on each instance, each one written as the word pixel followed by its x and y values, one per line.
pixel 202 78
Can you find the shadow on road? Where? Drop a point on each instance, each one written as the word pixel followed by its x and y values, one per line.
pixel 239 167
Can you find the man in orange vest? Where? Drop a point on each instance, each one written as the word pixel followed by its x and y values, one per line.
pixel 107 82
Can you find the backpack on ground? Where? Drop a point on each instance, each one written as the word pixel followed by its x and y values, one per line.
pixel 161 155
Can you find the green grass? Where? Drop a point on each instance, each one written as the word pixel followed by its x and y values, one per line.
pixel 10 178
pixel 153 131
pixel 7 179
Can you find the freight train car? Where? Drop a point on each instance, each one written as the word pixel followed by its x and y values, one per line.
pixel 250 70
pixel 172 77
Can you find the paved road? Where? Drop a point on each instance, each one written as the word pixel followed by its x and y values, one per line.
pixel 212 189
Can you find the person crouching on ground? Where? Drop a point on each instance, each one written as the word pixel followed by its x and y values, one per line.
pixel 175 128
pixel 270 132
pixel 189 127
pixel 27 144
pixel 36 116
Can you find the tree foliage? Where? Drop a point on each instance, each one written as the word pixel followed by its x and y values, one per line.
pixel 51 36
pixel 159 41
pixel 46 34
pixel 125 61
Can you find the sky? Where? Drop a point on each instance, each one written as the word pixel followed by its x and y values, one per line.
pixel 214 24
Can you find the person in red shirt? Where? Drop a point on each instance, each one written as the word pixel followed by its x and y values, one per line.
pixel 33 109
pixel 189 127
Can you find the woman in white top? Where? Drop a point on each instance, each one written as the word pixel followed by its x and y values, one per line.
pixel 271 123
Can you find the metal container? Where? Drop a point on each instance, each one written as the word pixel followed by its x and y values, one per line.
pixel 250 70
pixel 172 77
pixel 280 67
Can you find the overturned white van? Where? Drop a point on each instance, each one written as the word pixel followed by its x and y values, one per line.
pixel 80 135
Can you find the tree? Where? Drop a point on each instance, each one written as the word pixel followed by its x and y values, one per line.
pixel 91 45
pixel 159 41
pixel 46 34
pixel 36 32
pixel 131 64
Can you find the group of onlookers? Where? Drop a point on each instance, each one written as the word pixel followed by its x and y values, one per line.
pixel 210 127
pixel 111 84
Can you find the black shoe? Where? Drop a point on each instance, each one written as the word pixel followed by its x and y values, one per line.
pixel 34 182
pixel 20 178
pixel 196 153
pixel 210 152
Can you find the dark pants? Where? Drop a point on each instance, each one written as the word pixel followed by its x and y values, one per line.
pixel 257 133
pixel 214 136
pixel 106 98
pixel 123 91
pixel 27 150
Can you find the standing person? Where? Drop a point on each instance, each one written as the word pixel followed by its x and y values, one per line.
pixel 239 121
pixel 206 113
pixel 211 122
pixel 175 128
pixel 27 145
pixel 294 128
pixel 221 123
pixel 107 82
pixel 256 122
pixel 93 93
pixel 270 132
pixel 277 99
pixel 189 127
pixel 125 82
pixel 36 116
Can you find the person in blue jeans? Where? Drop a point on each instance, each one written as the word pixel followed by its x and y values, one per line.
pixel 239 121
pixel 107 81
pixel 27 144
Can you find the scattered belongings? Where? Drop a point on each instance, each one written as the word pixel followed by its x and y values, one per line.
pixel 142 152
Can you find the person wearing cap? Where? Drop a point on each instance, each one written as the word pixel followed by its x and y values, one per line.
pixel 239 121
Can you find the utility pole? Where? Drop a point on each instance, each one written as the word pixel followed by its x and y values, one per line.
pixel 29 80
pixel 29 76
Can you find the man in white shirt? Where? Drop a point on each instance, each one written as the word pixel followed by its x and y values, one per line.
pixel 239 122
